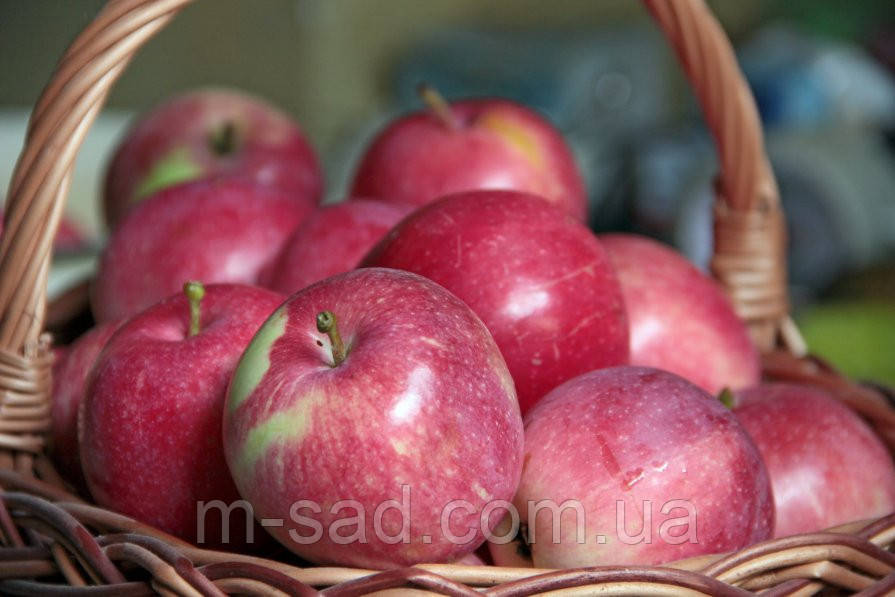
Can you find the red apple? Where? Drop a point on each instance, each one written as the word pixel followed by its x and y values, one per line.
pixel 656 470
pixel 151 445
pixel 331 241
pixel 468 145
pixel 827 467
pixel 69 384
pixel 371 420
pixel 539 279
pixel 210 133
pixel 681 320
pixel 215 231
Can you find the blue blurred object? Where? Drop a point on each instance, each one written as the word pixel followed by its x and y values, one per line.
pixel 803 81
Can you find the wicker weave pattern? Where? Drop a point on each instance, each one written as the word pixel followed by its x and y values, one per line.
pixel 46 531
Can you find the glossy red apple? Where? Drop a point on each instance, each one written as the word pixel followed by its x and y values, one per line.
pixel 210 133
pixel 656 470
pixel 827 466
pixel 374 388
pixel 69 385
pixel 681 320
pixel 539 279
pixel 468 145
pixel 215 231
pixel 151 445
pixel 331 241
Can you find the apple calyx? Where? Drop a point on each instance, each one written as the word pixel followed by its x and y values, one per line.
pixel 326 324
pixel 194 292
pixel 725 397
pixel 438 105
pixel 223 139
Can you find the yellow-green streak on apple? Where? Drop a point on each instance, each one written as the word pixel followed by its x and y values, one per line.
pixel 176 166
pixel 516 136
pixel 289 426
pixel 255 360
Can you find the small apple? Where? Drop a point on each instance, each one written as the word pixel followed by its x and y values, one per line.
pixel 538 278
pixel 69 384
pixel 468 145
pixel 681 320
pixel 150 421
pixel 215 231
pixel 332 240
pixel 210 133
pixel 631 466
pixel 374 416
pixel 827 466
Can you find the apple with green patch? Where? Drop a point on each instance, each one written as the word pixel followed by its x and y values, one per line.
pixel 468 145
pixel 362 410
pixel 210 133
pixel 150 421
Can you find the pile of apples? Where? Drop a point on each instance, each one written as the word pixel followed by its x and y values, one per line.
pixel 450 357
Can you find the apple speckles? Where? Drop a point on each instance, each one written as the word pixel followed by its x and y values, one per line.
pixel 256 360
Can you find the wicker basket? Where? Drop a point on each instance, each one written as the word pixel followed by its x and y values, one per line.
pixel 55 543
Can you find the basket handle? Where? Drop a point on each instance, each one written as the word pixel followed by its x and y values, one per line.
pixel 749 227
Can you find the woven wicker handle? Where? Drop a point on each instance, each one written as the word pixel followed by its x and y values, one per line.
pixel 749 247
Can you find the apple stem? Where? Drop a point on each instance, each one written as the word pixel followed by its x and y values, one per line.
pixel 194 291
pixel 326 324
pixel 223 138
pixel 439 106
pixel 726 398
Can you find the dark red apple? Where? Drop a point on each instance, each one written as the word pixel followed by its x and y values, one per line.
pixel 372 420
pixel 69 385
pixel 646 466
pixel 681 320
pixel 210 133
pixel 827 467
pixel 215 231
pixel 331 241
pixel 539 279
pixel 151 445
pixel 468 145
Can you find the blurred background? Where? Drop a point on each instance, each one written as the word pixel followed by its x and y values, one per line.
pixel 822 73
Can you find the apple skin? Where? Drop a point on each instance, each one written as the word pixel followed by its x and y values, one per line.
pixel 69 384
pixel 681 320
pixel 498 144
pixel 539 279
pixel 423 398
pixel 827 466
pixel 173 143
pixel 332 240
pixel 637 434
pixel 150 422
pixel 222 231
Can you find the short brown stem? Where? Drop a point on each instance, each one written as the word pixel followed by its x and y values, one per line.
pixel 439 106
pixel 326 324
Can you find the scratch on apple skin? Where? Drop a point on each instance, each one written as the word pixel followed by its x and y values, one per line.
pixel 290 426
pixel 256 360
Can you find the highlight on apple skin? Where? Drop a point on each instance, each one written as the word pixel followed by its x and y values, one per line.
pixel 372 388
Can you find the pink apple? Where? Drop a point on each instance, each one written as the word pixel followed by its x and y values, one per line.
pixel 331 241
pixel 367 408
pixel 827 467
pixel 214 231
pixel 656 470
pixel 69 384
pixel 539 279
pixel 681 320
pixel 210 133
pixel 151 445
pixel 468 145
